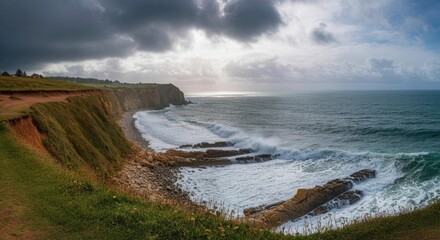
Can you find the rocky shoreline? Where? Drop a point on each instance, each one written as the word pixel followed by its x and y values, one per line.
pixel 127 123
pixel 153 176
pixel 148 178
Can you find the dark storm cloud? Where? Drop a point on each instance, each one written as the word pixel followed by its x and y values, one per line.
pixel 245 19
pixel 320 35
pixel 44 31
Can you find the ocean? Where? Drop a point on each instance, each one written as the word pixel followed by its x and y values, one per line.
pixel 316 137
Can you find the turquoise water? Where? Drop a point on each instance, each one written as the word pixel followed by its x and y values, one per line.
pixel 318 137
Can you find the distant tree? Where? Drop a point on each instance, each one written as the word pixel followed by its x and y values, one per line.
pixel 19 73
pixel 24 74
pixel 5 74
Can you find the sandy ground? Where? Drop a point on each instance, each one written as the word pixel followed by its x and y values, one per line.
pixel 130 130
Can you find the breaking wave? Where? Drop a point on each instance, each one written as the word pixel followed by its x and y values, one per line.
pixel 404 180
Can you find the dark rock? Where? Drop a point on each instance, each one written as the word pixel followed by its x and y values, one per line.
pixel 210 153
pixel 347 198
pixel 208 145
pixel 362 175
pixel 258 158
pixel 253 210
pixel 307 200
pixel 214 153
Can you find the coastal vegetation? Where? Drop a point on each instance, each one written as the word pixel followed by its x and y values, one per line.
pixel 82 134
pixel 56 161
pixel 23 84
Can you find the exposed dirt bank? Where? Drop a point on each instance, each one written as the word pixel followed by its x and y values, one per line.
pixel 14 103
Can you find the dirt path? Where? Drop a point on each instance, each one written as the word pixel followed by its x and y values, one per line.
pixel 13 105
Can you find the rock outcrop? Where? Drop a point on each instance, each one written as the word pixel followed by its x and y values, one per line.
pixel 306 200
pixel 257 158
pixel 347 198
pixel 208 145
pixel 210 153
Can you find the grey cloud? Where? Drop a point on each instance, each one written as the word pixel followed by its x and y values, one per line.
pixel 381 65
pixel 321 35
pixel 432 69
pixel 44 31
pixel 259 71
pixel 245 19
pixel 375 70
pixel 152 39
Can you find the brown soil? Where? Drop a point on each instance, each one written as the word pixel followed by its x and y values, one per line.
pixel 11 227
pixel 16 102
pixel 25 130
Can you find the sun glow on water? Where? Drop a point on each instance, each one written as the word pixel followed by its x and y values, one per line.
pixel 228 94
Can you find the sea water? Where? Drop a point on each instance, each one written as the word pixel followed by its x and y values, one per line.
pixel 317 137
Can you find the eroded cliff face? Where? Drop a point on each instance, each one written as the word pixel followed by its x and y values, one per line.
pixel 82 132
pixel 155 96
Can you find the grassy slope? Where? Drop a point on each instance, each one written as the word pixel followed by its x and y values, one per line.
pixel 18 84
pixel 82 133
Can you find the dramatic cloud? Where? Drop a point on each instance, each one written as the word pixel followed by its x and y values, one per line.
pixel 227 44
pixel 320 35
pixel 245 19
pixel 38 32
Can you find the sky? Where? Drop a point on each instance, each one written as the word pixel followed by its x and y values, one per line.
pixel 228 45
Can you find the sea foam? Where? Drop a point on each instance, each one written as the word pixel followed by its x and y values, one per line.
pixel 402 178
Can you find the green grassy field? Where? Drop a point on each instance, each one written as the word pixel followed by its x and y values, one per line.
pixel 19 84
pixel 121 85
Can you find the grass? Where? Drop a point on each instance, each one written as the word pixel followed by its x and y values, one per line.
pixel 82 133
pixel 122 85
pixel 8 114
pixel 20 84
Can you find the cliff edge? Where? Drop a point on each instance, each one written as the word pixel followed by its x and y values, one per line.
pixel 81 131
pixel 154 96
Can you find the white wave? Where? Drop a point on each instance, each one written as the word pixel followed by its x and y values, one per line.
pixel 272 146
pixel 239 186
pixel 163 130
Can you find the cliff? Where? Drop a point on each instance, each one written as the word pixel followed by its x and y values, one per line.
pixel 82 133
pixel 154 96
